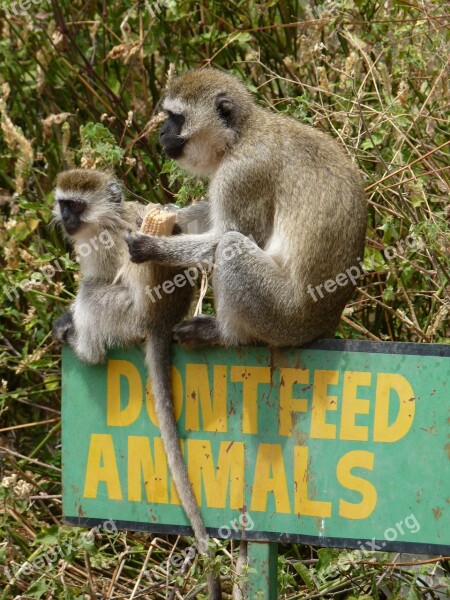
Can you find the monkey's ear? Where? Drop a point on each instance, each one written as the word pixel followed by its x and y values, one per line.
pixel 114 191
pixel 225 108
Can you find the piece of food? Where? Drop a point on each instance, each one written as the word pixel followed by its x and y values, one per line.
pixel 158 222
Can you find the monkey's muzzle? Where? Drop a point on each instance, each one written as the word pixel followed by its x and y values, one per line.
pixel 173 146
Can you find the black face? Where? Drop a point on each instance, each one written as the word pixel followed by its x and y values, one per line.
pixel 170 135
pixel 71 211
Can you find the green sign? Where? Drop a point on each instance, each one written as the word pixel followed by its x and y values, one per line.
pixel 337 444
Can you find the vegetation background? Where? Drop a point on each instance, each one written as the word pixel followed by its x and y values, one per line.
pixel 80 83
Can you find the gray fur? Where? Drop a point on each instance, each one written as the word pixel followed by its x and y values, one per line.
pixel 287 211
pixel 112 309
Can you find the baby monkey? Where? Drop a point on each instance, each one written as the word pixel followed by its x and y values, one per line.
pixel 113 307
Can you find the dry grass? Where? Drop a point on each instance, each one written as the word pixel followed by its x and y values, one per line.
pixel 80 84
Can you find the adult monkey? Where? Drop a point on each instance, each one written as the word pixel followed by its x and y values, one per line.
pixel 113 306
pixel 289 187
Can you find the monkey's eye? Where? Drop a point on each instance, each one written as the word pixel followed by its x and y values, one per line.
pixel 74 206
pixel 176 118
pixel 78 207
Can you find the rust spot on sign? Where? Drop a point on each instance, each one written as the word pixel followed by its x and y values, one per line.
pixel 437 513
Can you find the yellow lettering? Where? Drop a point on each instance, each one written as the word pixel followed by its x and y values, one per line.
pixel 198 395
pixel 302 504
pixel 322 403
pixel 352 406
pixel 102 467
pixel 383 432
pixel 364 460
pixel 174 497
pixel 250 377
pixel 115 415
pixel 216 480
pixel 288 404
pixel 177 397
pixel 153 470
pixel 270 477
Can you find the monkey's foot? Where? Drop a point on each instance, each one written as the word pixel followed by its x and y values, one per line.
pixel 197 332
pixel 63 327
pixel 142 247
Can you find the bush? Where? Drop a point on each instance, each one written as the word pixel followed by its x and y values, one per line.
pixel 80 83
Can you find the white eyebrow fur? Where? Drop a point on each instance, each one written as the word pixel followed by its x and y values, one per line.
pixel 69 194
pixel 175 105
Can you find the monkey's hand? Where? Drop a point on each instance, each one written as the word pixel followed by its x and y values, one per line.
pixel 63 327
pixel 142 247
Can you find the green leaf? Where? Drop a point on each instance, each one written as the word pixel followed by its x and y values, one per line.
pixel 38 589
pixel 99 145
pixel 388 294
pixel 326 556
pixel 390 230
pixel 374 587
pixel 305 574
pixel 48 537
pixel 414 593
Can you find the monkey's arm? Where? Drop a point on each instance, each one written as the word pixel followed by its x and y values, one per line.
pixel 195 218
pixel 176 251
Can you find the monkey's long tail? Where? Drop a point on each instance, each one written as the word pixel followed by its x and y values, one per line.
pixel 158 361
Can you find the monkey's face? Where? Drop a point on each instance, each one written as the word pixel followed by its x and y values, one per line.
pixel 197 135
pixel 71 211
pixel 85 199
pixel 170 134
pixel 205 111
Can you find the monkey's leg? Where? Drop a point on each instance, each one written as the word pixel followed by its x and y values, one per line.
pixel 254 300
pixel 176 251
pixel 82 339
pixel 88 341
pixel 104 317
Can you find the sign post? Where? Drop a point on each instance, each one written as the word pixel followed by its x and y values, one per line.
pixel 340 443
pixel 262 562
